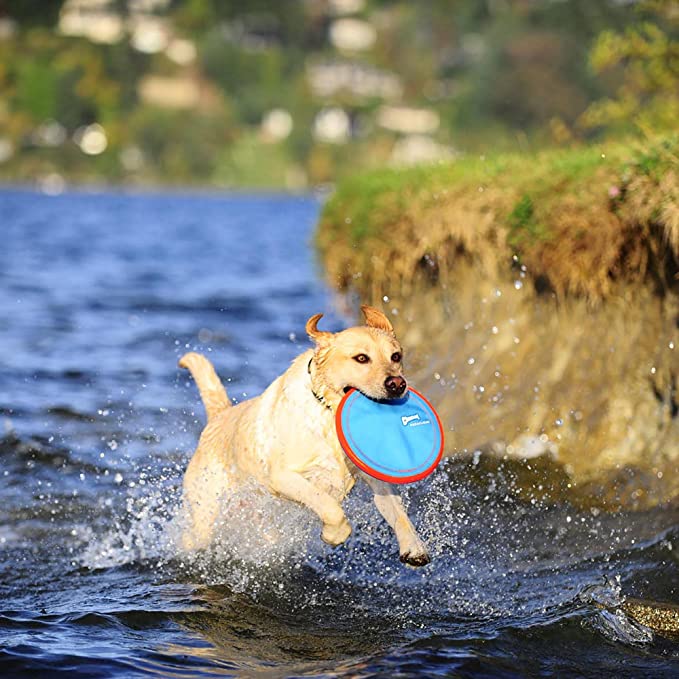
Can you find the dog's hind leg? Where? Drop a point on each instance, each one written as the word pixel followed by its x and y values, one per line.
pixel 205 482
pixel 411 548
pixel 294 486
pixel 201 503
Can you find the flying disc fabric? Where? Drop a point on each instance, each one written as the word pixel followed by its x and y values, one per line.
pixel 397 440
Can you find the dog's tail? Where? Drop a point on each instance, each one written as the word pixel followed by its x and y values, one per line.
pixel 211 389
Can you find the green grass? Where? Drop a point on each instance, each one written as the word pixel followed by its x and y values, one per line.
pixel 523 224
pixel 365 204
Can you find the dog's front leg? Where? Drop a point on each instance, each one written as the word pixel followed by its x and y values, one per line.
pixel 411 548
pixel 294 486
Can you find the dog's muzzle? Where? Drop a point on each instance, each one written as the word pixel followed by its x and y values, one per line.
pixel 395 386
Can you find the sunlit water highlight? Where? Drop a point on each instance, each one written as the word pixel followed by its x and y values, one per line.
pixel 102 293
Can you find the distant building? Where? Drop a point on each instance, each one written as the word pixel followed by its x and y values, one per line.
pixel 150 34
pixel 408 120
pixel 352 35
pixel 95 20
pixel 327 79
pixel 332 125
pixel 276 125
pixel 101 22
pixel 342 7
pixel 186 91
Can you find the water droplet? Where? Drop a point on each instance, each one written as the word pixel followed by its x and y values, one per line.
pixel 518 284
pixel 118 478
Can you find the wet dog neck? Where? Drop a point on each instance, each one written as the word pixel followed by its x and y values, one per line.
pixel 321 399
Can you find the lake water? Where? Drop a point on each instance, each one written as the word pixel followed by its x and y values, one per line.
pixel 100 293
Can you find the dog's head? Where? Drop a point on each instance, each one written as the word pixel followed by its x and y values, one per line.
pixel 368 358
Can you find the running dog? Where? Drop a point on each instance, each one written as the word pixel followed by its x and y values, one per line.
pixel 286 439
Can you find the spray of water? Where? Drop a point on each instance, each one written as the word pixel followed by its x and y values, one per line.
pixel 494 558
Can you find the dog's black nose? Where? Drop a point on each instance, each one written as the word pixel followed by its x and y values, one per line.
pixel 395 385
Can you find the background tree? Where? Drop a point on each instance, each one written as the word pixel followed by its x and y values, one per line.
pixel 643 62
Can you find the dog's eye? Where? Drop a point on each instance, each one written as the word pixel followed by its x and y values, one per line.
pixel 361 358
pixel 396 357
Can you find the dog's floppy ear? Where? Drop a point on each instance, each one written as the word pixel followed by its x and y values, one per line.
pixel 374 318
pixel 316 335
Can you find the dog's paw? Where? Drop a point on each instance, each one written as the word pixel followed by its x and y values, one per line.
pixel 417 559
pixel 336 534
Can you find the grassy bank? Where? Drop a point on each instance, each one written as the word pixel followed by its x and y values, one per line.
pixel 538 298
pixel 580 220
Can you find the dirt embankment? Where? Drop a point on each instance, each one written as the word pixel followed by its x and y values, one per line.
pixel 539 298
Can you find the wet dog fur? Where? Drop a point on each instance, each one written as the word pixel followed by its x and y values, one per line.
pixel 286 439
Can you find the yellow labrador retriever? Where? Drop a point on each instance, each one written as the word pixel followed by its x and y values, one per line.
pixel 286 440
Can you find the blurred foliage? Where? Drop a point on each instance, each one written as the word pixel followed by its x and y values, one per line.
pixel 32 12
pixel 501 75
pixel 645 59
pixel 164 137
pixel 55 79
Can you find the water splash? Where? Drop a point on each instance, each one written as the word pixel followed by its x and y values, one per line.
pixel 611 620
pixel 488 560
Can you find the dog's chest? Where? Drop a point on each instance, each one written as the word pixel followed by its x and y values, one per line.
pixel 326 464
pixel 311 446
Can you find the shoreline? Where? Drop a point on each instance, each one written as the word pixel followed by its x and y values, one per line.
pixel 542 312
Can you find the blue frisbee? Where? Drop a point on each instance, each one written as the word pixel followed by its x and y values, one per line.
pixel 398 440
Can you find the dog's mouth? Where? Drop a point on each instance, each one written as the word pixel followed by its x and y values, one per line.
pixel 381 397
